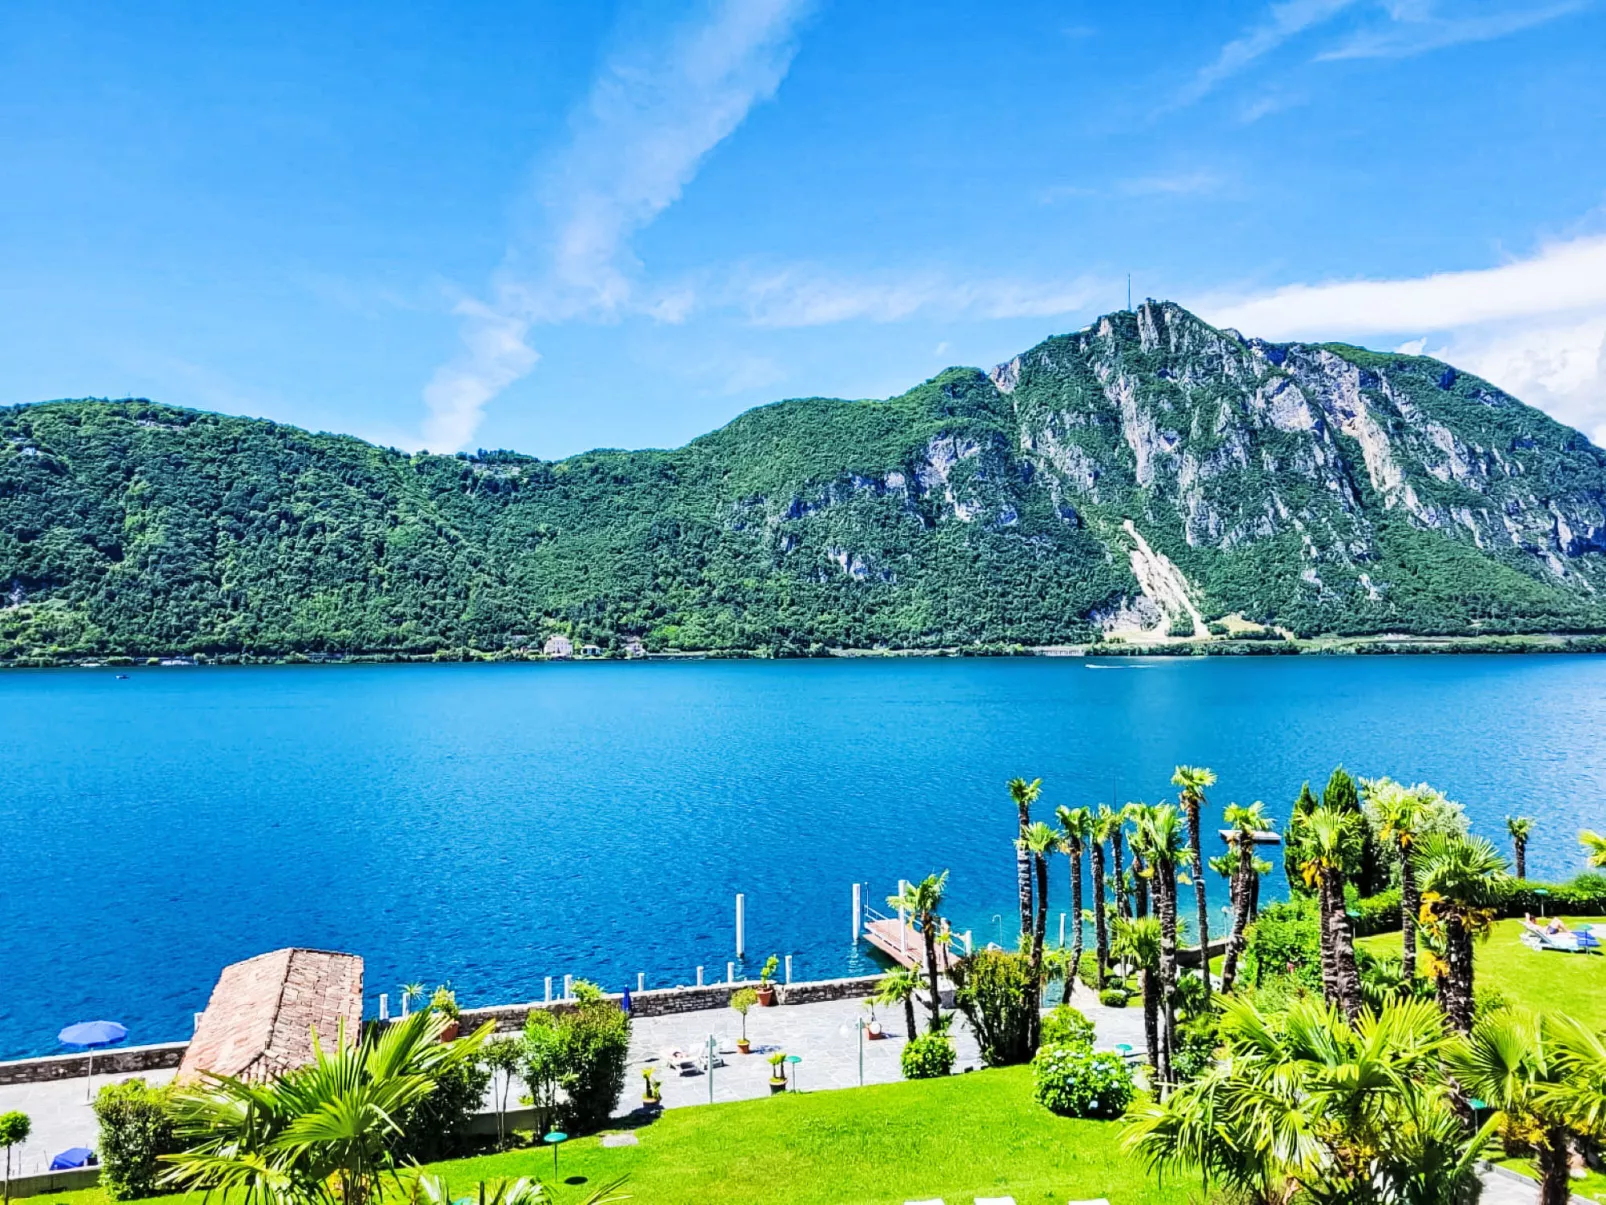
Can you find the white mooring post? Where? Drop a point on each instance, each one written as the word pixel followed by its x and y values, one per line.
pixel 730 972
pixel 789 969
pixel 741 925
pixel 967 943
pixel 903 919
pixel 641 981
pixel 568 987
pixel 549 989
pixel 699 976
pixel 1062 930
pixel 384 1006
pixel 858 911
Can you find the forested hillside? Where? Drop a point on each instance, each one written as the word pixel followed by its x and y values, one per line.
pixel 1147 474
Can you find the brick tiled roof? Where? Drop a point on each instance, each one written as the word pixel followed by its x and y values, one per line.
pixel 259 1021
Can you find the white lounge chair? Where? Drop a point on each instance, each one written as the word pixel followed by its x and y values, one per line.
pixel 1577 942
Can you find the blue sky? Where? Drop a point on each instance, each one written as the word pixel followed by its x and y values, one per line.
pixel 557 226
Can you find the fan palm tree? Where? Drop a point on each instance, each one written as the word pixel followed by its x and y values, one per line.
pixel 923 901
pixel 1123 906
pixel 1509 1062
pixel 1164 842
pixel 1138 942
pixel 1520 828
pixel 325 1133
pixel 1462 879
pixel 1401 812
pixel 1041 841
pixel 901 986
pixel 1579 1090
pixel 1024 795
pixel 1103 821
pixel 1243 823
pixel 1327 842
pixel 1192 782
pixel 1595 844
pixel 1140 876
pixel 1076 825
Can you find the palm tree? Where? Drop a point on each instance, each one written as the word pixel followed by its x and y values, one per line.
pixel 1123 907
pixel 1520 828
pixel 1024 794
pixel 901 986
pixel 1509 1062
pixel 1192 781
pixel 1462 878
pixel 1305 803
pixel 1103 820
pixel 1138 942
pixel 1327 843
pixel 1243 823
pixel 1076 824
pixel 325 1133
pixel 1140 877
pixel 1041 840
pixel 1164 845
pixel 1596 845
pixel 923 901
pixel 1401 812
pixel 1579 1090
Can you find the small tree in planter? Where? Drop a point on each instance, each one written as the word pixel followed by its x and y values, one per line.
pixel 778 1071
pixel 652 1093
pixel 14 1129
pixel 741 1001
pixel 444 1001
pixel 766 984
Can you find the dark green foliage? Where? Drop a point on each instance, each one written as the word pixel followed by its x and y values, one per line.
pixel 1378 913
pixel 1196 1047
pixel 136 1130
pixel 596 1048
pixel 1285 940
pixel 929 1056
pixel 1077 1081
pixel 961 514
pixel 435 1128
pixel 1304 805
pixel 1113 997
pixel 1066 1026
pixel 995 991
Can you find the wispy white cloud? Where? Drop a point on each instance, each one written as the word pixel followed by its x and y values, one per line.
pixel 1172 184
pixel 1416 27
pixel 1281 22
pixel 654 113
pixel 799 297
pixel 1536 327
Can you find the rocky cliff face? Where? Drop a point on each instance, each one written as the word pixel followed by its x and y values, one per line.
pixel 1148 474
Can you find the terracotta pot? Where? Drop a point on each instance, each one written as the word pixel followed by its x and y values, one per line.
pixel 744 1046
pixel 766 994
pixel 451 1031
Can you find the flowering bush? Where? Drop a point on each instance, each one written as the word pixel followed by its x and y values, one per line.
pixel 928 1057
pixel 1077 1082
pixel 1067 1026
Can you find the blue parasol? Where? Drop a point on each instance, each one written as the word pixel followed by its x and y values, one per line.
pixel 73 1156
pixel 90 1035
pixel 625 1003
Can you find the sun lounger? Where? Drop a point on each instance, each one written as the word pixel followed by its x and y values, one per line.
pixel 680 1061
pixel 1535 937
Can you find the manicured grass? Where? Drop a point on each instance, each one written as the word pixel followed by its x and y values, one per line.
pixel 1541 980
pixel 971 1135
pixel 1592 1187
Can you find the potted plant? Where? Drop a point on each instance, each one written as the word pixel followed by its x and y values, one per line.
pixel 766 981
pixel 652 1094
pixel 778 1071
pixel 741 1000
pixel 444 1001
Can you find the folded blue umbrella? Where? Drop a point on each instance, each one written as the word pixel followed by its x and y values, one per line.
pixel 625 1003
pixel 76 1156
pixel 92 1034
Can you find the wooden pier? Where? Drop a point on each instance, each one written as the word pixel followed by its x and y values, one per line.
pixel 905 944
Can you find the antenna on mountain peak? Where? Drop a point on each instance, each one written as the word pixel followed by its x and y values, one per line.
pixel 1129 292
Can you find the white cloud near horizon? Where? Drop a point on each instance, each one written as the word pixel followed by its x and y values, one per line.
pixel 1536 327
pixel 653 114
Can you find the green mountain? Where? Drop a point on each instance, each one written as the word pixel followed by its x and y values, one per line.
pixel 1147 473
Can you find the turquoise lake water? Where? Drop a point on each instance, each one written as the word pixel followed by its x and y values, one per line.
pixel 492 825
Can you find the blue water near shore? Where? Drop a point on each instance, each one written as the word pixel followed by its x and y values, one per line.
pixel 491 825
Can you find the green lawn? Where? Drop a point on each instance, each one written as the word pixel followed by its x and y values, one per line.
pixel 1544 981
pixel 971 1135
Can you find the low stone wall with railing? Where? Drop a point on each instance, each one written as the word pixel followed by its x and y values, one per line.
pixel 124 1060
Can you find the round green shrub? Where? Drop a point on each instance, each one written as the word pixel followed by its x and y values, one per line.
pixel 1112 997
pixel 928 1057
pixel 136 1130
pixel 1066 1026
pixel 1077 1082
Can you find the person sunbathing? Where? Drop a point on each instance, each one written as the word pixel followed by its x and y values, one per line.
pixel 1552 928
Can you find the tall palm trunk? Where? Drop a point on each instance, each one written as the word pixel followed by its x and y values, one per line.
pixel 1410 908
pixel 1555 1167
pixel 1196 847
pixel 1039 934
pixel 1242 880
pixel 1023 879
pixel 1254 893
pixel 1140 885
pixel 1324 928
pixel 1520 848
pixel 1346 976
pixel 1151 1018
pixel 928 930
pixel 1457 995
pixel 1101 931
pixel 1076 913
pixel 910 1028
pixel 1165 900
pixel 1123 907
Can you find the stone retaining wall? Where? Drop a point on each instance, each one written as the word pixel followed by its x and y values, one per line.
pixel 121 1061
